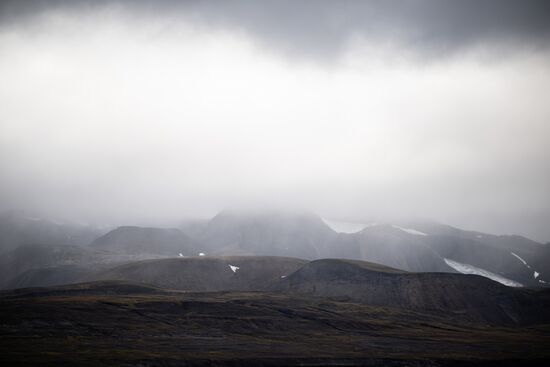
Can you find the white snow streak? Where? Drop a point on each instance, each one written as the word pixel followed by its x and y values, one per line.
pixel 469 269
pixel 410 230
pixel 536 274
pixel 234 268
pixel 202 254
pixel 520 259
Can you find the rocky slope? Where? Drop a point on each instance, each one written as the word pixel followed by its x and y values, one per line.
pixel 468 297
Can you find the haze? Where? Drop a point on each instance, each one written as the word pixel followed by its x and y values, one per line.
pixel 119 112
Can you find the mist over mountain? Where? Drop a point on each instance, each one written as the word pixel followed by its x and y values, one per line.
pixel 146 112
pixel 510 260
pixel 271 232
pixel 20 228
pixel 264 264
pixel 137 240
pixel 274 183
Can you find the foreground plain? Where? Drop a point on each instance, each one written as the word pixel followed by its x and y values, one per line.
pixel 121 323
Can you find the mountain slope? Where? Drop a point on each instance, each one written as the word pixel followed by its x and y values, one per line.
pixel 27 257
pixel 17 229
pixel 468 297
pixel 272 233
pixel 207 273
pixel 420 246
pixel 142 240
pixel 50 276
pixel 390 246
pixel 42 265
pixel 511 256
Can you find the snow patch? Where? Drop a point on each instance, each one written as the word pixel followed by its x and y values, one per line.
pixel 202 254
pixel 283 276
pixel 542 281
pixel 346 227
pixel 410 230
pixel 180 254
pixel 470 269
pixel 536 274
pixel 520 259
pixel 234 268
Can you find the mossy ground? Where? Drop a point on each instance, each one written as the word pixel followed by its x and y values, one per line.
pixel 154 327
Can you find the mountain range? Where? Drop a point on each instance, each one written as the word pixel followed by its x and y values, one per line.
pixel 414 246
pixel 271 288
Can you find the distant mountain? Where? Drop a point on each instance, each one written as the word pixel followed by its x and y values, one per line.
pixel 273 233
pixel 235 273
pixel 19 228
pixel 418 246
pixel 142 240
pixel 430 246
pixel 194 228
pixel 27 257
pixel 468 297
pixel 43 265
pixel 390 246
pixel 511 256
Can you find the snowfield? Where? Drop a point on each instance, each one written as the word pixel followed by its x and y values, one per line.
pixel 470 269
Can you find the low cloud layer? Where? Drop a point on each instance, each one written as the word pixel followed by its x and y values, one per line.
pixel 324 28
pixel 356 110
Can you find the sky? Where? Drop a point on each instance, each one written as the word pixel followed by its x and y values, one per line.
pixel 154 111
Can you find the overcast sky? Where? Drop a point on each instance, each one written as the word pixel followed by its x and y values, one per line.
pixel 159 110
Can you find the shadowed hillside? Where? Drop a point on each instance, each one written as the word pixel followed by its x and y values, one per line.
pixel 231 273
pixel 469 297
pixel 43 265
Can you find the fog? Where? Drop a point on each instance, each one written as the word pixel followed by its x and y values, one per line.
pixel 146 112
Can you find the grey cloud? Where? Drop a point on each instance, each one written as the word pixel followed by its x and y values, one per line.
pixel 322 28
pixel 97 121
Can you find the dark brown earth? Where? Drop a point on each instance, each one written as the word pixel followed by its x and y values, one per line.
pixel 125 324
